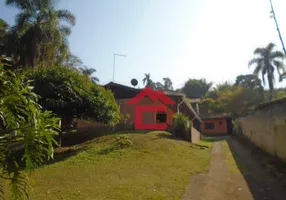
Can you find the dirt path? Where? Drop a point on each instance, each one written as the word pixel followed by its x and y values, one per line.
pixel 221 183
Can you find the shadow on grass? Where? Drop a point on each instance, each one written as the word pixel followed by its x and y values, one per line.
pixel 81 136
pixel 207 141
pixel 252 164
pixel 62 154
pixel 77 141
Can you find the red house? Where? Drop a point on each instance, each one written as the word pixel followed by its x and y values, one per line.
pixel 125 97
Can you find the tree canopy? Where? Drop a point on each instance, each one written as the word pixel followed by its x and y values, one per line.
pixel 72 95
pixel 147 81
pixel 166 85
pixel 39 36
pixel 250 81
pixel 196 88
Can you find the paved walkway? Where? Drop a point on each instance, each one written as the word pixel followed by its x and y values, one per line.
pixel 223 184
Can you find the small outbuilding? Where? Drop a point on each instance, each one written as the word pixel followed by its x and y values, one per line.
pixel 216 125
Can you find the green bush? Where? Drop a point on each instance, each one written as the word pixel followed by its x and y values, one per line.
pixel 236 127
pixel 182 126
pixel 123 141
pixel 72 95
pixel 25 133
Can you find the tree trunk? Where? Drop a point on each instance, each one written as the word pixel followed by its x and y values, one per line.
pixel 66 124
pixel 60 139
pixel 271 88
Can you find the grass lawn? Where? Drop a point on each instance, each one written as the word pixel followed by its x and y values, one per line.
pixel 125 166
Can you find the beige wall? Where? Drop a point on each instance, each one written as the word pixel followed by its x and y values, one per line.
pixel 196 136
pixel 266 128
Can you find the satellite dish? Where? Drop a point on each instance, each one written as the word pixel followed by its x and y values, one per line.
pixel 134 82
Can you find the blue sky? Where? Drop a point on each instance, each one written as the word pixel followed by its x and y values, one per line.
pixel 212 39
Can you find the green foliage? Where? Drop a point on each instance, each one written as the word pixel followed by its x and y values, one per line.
pixel 39 36
pixel 125 118
pixel 280 93
pixel 72 95
pixel 147 81
pixel 167 84
pixel 159 86
pixel 153 161
pixel 182 126
pixel 250 81
pixel 236 127
pixel 4 27
pixel 23 127
pixel 214 93
pixel 208 105
pixel 123 141
pixel 89 72
pixel 223 86
pixel 236 100
pixel 194 88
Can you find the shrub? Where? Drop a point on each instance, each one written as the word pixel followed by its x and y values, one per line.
pixel 236 127
pixel 182 126
pixel 23 126
pixel 123 141
pixel 72 95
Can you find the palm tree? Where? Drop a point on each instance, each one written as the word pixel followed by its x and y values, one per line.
pixel 168 85
pixel 89 71
pixel 38 36
pixel 266 61
pixel 148 82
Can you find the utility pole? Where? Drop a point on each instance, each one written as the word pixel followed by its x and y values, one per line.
pixel 114 55
pixel 275 19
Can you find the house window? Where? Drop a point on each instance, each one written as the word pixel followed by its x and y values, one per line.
pixel 161 117
pixel 209 126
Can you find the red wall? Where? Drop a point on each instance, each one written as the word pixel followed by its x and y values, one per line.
pixel 220 126
pixel 125 108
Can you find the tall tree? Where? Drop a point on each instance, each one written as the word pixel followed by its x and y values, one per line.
pixel 39 37
pixel 195 88
pixel 89 72
pixel 250 81
pixel 148 82
pixel 168 85
pixel 159 86
pixel 266 61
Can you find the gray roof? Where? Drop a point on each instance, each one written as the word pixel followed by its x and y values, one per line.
pixel 215 116
pixel 193 111
pixel 270 103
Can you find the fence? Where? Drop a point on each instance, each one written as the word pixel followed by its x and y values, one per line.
pixel 266 127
